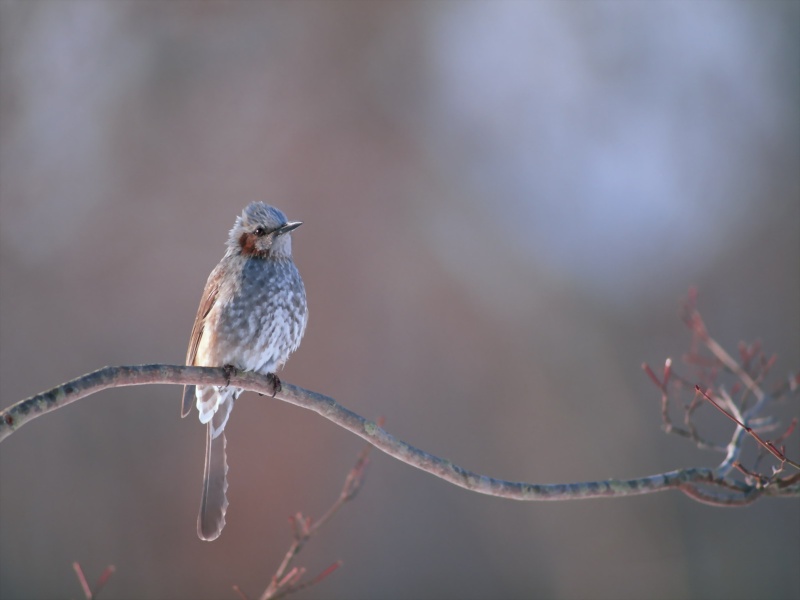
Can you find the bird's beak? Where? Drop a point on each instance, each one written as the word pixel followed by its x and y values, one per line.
pixel 291 226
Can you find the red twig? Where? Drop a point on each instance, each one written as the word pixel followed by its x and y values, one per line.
pixel 751 475
pixel 288 580
pixel 788 431
pixel 88 592
pixel 710 361
pixel 767 445
pixel 662 385
pixel 669 376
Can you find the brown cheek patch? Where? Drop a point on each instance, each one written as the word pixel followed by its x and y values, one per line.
pixel 247 241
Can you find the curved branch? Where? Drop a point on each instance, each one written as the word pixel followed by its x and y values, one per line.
pixel 727 492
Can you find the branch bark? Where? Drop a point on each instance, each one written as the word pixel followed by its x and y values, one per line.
pixel 701 484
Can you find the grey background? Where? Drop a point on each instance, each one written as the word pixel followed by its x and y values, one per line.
pixel 504 204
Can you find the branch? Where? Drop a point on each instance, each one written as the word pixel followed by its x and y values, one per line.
pixel 283 583
pixel 768 446
pixel 91 593
pixel 727 492
pixel 741 400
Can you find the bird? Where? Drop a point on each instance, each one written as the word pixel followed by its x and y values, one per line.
pixel 252 316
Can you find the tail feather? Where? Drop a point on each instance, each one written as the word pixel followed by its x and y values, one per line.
pixel 214 404
pixel 214 503
pixel 211 399
pixel 224 408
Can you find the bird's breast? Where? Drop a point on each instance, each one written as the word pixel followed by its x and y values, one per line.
pixel 259 318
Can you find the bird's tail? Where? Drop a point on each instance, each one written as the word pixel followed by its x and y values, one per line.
pixel 214 403
pixel 214 502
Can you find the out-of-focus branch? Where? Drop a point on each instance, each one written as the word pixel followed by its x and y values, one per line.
pixel 287 581
pixel 727 492
pixel 767 445
pixel 91 592
pixel 729 386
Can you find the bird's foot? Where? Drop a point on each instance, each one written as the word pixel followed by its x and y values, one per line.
pixel 275 382
pixel 229 371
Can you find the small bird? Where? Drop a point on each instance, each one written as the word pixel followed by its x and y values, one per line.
pixel 252 316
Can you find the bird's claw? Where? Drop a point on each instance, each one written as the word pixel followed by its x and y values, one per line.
pixel 274 382
pixel 230 370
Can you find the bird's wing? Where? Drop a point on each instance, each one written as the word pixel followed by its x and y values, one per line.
pixel 207 302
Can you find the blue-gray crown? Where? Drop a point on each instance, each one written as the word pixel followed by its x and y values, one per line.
pixel 259 213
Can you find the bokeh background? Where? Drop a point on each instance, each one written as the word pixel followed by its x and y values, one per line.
pixel 504 203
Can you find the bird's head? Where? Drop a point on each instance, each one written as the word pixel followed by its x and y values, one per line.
pixel 262 231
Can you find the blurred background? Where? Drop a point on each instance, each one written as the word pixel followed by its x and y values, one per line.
pixel 504 204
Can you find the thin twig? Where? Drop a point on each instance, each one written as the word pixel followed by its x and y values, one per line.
pixel 696 324
pixel 283 583
pixel 672 379
pixel 87 591
pixel 750 373
pixel 92 593
pixel 767 445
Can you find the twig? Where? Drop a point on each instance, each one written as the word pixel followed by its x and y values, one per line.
pixel 767 445
pixel 695 323
pixel 284 583
pixel 750 374
pixel 672 378
pixel 88 592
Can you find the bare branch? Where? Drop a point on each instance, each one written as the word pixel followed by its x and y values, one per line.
pixel 767 445
pixel 89 593
pixel 284 583
pixel 714 368
pixel 21 413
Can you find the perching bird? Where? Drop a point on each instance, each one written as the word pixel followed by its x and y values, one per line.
pixel 252 316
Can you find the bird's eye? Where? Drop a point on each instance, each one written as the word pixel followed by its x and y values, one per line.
pixel 260 231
